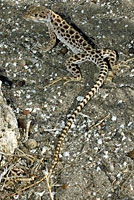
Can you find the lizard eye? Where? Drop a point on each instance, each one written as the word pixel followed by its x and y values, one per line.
pixel 36 15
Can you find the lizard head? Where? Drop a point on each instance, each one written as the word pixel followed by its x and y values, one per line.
pixel 37 14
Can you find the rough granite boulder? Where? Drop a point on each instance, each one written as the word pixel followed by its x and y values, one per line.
pixel 8 127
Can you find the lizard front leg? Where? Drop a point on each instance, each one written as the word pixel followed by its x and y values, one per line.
pixel 50 45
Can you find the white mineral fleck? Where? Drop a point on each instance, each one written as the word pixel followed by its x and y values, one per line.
pixel 66 154
pixel 40 193
pixel 60 156
pixel 124 138
pixel 131 187
pixel 111 167
pixel 73 125
pixel 98 169
pixel 28 96
pixel 114 118
pixel 35 110
pixel 80 98
pixel 122 126
pixel 44 149
pixel 25 67
pixel 130 123
pixel 106 155
pixel 125 164
pixel 100 141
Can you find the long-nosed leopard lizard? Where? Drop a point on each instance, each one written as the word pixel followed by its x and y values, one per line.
pixel 83 51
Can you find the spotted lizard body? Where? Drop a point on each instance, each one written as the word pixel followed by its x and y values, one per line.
pixel 83 51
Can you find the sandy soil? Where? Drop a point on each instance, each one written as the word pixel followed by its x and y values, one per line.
pixel 95 162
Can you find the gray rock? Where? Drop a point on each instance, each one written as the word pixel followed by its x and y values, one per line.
pixel 8 127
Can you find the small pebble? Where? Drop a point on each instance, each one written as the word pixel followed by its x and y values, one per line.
pixel 26 112
pixel 64 186
pixel 80 98
pixel 131 50
pixel 131 154
pixel 64 50
pixel 31 144
pixel 22 62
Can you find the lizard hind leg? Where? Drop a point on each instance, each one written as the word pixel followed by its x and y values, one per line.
pixel 111 56
pixel 72 67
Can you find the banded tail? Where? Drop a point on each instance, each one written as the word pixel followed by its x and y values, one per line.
pixel 102 75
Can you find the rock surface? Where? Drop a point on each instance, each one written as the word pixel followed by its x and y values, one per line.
pixel 9 131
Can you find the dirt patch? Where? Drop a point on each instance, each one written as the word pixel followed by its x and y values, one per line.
pixel 95 162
